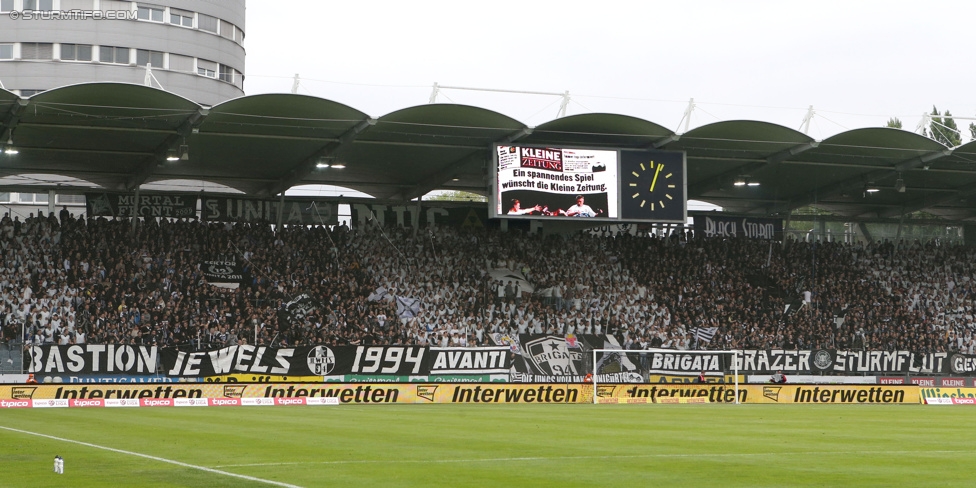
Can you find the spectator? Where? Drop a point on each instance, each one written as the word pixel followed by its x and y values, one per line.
pixel 87 280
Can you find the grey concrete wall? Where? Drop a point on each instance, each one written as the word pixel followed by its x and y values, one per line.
pixel 163 37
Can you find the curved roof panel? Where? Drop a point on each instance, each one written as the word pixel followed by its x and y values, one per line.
pixel 7 99
pixel 412 151
pixel 962 158
pixel 744 138
pixel 101 132
pixel 726 151
pixel 7 102
pixel 603 130
pixel 65 119
pixel 836 172
pixel 444 124
pixel 110 104
pixel 282 114
pixel 258 141
pixel 117 136
pixel 875 146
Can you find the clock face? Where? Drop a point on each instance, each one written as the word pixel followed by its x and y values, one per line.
pixel 652 186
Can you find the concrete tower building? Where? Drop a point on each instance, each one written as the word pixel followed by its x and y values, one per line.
pixel 192 47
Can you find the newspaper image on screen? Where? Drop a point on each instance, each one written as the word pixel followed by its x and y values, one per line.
pixel 567 183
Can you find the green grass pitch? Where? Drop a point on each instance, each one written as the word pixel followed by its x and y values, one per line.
pixel 492 445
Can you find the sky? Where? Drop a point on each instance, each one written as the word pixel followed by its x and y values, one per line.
pixel 858 63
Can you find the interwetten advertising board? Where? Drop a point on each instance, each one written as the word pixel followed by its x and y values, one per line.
pixel 475 393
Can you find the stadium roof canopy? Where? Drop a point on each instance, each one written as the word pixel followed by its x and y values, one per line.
pixel 114 136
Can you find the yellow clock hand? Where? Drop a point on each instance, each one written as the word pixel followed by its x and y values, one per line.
pixel 656 172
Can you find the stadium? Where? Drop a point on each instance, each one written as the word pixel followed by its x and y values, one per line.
pixel 815 328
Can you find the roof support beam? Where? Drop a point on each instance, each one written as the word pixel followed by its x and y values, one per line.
pixel 717 181
pixel 85 174
pixel 929 201
pixel 451 170
pixel 864 230
pixel 436 180
pixel 331 151
pixel 790 152
pixel 516 136
pixel 145 170
pixel 83 151
pixel 664 141
pixel 862 179
pixel 12 118
pixel 419 144
pixel 97 127
pixel 270 136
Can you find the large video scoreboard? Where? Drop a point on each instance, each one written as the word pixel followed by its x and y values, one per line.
pixel 603 184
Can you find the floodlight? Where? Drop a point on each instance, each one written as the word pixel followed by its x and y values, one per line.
pixel 900 185
pixel 10 149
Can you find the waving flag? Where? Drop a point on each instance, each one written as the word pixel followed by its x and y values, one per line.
pixel 704 334
pixel 407 308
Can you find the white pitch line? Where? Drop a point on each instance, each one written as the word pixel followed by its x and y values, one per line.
pixel 571 458
pixel 154 458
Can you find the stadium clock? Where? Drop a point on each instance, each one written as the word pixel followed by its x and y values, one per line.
pixel 652 186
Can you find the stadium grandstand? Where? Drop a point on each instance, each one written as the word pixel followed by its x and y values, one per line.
pixel 395 274
pixel 87 281
pixel 204 286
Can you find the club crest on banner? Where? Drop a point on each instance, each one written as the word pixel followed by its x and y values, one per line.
pixel 550 355
pixel 822 360
pixel 321 360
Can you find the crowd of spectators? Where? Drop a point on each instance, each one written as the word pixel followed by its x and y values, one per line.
pixel 66 280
